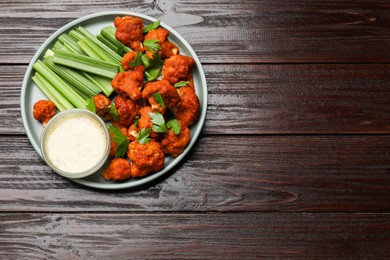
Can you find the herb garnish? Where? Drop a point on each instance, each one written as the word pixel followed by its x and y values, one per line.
pixel 152 26
pixel 159 99
pixel 181 84
pixel 137 61
pixel 154 67
pixel 152 45
pixel 91 105
pixel 158 122
pixel 143 136
pixel 114 112
pixel 121 140
pixel 174 125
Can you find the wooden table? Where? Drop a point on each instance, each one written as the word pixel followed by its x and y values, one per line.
pixel 293 160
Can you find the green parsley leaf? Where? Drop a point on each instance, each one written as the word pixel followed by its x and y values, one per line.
pixel 157 118
pixel 156 61
pixel 152 45
pixel 160 129
pixel 137 61
pixel 152 26
pixel 174 125
pixel 159 99
pixel 152 73
pixel 121 140
pixel 158 122
pixel 181 84
pixel 153 65
pixel 114 112
pixel 143 136
pixel 136 120
pixel 91 105
pixel 146 61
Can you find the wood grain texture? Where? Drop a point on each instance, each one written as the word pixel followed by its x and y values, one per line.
pixel 293 160
pixel 237 31
pixel 187 236
pixel 267 99
pixel 221 173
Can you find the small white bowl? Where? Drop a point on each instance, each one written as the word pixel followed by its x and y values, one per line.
pixel 75 143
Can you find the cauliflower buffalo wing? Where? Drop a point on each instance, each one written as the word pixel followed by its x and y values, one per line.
pixel 44 110
pixel 132 132
pixel 175 144
pixel 127 110
pixel 168 49
pixel 129 83
pixel 145 121
pixel 102 105
pixel 129 57
pixel 168 93
pixel 145 158
pixel 159 34
pixel 187 111
pixel 177 68
pixel 119 169
pixel 129 31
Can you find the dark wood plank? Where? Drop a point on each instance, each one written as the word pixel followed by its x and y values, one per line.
pixel 221 173
pixel 201 236
pixel 224 31
pixel 282 99
pixel 267 99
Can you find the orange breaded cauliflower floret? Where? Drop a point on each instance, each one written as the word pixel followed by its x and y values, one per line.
pixel 168 93
pixel 159 34
pixel 168 49
pixel 175 144
pixel 129 83
pixel 177 68
pixel 44 110
pixel 187 111
pixel 145 121
pixel 102 105
pixel 132 132
pixel 127 110
pixel 145 158
pixel 119 169
pixel 129 31
pixel 129 57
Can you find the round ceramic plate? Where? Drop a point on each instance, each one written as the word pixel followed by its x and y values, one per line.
pixel 94 23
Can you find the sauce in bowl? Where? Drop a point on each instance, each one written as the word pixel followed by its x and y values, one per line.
pixel 75 143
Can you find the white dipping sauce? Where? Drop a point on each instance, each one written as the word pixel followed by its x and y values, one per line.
pixel 76 143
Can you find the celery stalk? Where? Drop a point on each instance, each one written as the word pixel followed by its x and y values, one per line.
pixel 103 83
pixel 66 39
pixel 68 48
pixel 74 77
pixel 84 63
pixel 112 46
pixel 76 35
pixel 58 45
pixel 51 93
pixel 93 38
pixel 91 45
pixel 70 94
pixel 88 50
